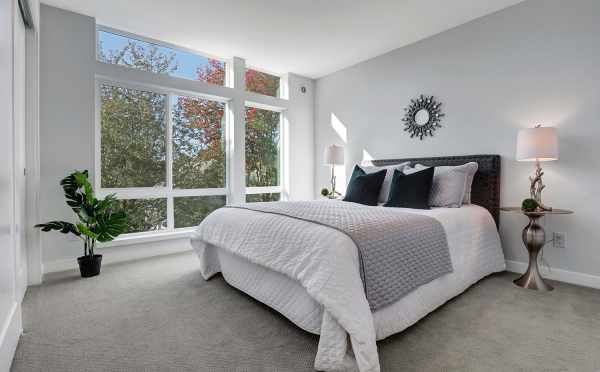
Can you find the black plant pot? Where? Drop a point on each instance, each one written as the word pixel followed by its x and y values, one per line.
pixel 89 267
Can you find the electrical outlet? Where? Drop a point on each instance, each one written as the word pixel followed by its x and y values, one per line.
pixel 560 240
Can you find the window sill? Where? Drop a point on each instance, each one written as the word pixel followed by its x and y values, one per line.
pixel 147 237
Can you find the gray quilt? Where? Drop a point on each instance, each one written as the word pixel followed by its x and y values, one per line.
pixel 398 251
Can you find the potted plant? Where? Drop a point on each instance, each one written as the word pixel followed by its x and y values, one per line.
pixel 98 220
pixel 529 205
pixel 325 192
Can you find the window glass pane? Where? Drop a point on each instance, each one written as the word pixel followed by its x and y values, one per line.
pixel 142 55
pixel 133 138
pixel 252 198
pixel 263 83
pixel 198 143
pixel 262 147
pixel 145 214
pixel 191 210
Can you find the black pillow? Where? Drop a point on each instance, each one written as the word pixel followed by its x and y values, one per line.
pixel 410 190
pixel 364 188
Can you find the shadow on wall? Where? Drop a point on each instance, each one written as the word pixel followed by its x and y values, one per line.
pixel 339 128
pixel 366 158
pixel 340 170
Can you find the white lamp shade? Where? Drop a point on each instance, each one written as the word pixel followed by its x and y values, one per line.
pixel 540 143
pixel 333 155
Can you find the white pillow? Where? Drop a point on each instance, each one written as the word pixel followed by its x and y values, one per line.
pixel 470 169
pixel 448 188
pixel 387 182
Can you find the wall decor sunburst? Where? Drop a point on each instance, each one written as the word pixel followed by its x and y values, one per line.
pixel 422 117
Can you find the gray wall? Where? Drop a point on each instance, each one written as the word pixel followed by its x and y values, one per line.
pixel 67 53
pixel 67 68
pixel 536 62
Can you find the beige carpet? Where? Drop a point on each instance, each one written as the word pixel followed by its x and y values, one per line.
pixel 159 315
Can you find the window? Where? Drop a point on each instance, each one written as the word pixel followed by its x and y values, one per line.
pixel 162 185
pixel 167 151
pixel 262 147
pixel 117 49
pixel 191 210
pixel 145 214
pixel 267 197
pixel 134 144
pixel 263 83
pixel 263 154
pixel 198 143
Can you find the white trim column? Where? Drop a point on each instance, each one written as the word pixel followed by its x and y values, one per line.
pixel 32 144
pixel 237 134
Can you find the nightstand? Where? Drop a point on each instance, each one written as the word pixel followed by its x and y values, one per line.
pixel 534 238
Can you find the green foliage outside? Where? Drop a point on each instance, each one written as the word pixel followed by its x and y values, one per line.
pixel 191 210
pixel 145 214
pixel 133 142
pixel 262 147
pixel 198 143
pixel 134 148
pixel 269 197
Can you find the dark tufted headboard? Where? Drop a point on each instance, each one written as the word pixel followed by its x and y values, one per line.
pixel 486 184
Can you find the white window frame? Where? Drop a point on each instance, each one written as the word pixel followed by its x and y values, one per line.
pixel 102 28
pixel 167 192
pixel 236 98
pixel 253 190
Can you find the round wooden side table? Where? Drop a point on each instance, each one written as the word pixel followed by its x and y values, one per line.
pixel 534 238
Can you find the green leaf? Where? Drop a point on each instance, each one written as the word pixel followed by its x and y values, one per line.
pixel 111 225
pixel 81 179
pixel 87 232
pixel 62 226
pixel 108 202
pixel 70 185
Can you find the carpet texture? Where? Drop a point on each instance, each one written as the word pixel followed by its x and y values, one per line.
pixel 160 315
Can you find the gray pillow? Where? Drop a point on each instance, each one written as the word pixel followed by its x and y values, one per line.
pixel 470 168
pixel 387 182
pixel 449 184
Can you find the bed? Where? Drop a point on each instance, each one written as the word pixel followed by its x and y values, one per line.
pixel 321 291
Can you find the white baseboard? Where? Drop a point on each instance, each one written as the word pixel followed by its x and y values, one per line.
pixel 117 254
pixel 9 336
pixel 572 277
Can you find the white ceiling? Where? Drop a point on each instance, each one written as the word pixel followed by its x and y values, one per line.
pixel 308 37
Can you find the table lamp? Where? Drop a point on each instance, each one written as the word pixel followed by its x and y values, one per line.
pixel 333 155
pixel 537 144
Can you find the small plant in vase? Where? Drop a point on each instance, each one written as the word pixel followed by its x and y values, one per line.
pixel 529 205
pixel 98 220
pixel 329 194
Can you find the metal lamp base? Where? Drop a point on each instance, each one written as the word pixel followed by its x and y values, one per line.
pixel 533 280
pixel 534 238
pixel 537 185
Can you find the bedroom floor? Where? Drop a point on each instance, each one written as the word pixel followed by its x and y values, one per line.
pixel 159 315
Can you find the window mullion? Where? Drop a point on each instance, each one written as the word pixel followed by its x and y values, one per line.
pixel 169 165
pixel 98 136
pixel 229 151
pixel 237 176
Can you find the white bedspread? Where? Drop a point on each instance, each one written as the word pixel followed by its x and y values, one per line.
pixel 321 291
